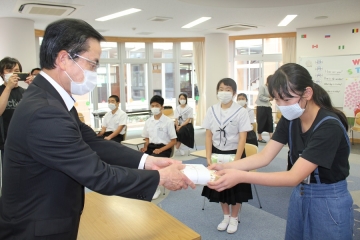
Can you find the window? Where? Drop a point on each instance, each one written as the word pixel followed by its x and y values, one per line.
pixel 163 50
pixel 248 47
pixel 135 50
pixel 109 50
pixel 186 49
pixel 254 60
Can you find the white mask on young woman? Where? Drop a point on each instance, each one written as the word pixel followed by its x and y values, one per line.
pixel 291 112
pixel 155 111
pixel 242 102
pixel 112 106
pixel 182 102
pixel 87 85
pixel 224 96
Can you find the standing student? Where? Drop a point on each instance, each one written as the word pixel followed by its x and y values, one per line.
pixel 159 133
pixel 114 122
pixel 50 155
pixel 316 132
pixel 226 125
pixel 264 117
pixel 10 94
pixel 183 125
pixel 242 100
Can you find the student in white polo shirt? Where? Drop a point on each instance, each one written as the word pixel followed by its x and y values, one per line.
pixel 159 133
pixel 114 122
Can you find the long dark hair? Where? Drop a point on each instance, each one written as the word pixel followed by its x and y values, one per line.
pixel 292 77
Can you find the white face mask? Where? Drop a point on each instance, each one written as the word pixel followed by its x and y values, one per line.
pixel 155 111
pixel 88 83
pixel 182 102
pixel 292 111
pixel 112 106
pixel 7 76
pixel 224 97
pixel 242 102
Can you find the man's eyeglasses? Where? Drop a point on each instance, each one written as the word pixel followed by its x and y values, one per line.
pixel 95 64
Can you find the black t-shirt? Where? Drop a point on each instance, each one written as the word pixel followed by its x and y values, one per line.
pixel 326 147
pixel 14 99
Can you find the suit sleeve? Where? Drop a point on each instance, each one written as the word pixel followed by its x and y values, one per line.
pixel 58 142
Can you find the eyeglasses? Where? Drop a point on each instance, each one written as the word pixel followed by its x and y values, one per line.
pixel 95 64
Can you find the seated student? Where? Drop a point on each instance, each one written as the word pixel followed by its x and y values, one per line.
pixel 183 125
pixel 251 137
pixel 114 122
pixel 159 133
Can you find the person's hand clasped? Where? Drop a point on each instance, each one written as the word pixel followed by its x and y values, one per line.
pixel 157 151
pixel 173 179
pixel 156 163
pixel 228 178
pixel 107 138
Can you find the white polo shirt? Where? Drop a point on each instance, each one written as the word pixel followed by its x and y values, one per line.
pixel 185 113
pixel 159 131
pixel 232 120
pixel 112 121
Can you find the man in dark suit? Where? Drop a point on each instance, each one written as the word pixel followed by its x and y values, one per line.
pixel 51 155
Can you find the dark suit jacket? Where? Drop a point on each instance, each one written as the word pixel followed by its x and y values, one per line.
pixel 50 155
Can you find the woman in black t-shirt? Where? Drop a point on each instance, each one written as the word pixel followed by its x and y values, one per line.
pixel 320 205
pixel 10 94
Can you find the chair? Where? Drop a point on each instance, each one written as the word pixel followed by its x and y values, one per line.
pixel 250 149
pixel 168 111
pixel 171 155
pixel 126 128
pixel 356 127
pixel 81 117
pixel 277 117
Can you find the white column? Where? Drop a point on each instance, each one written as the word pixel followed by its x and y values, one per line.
pixel 18 41
pixel 217 63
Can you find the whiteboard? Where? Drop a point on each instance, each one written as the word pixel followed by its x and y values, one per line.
pixel 335 74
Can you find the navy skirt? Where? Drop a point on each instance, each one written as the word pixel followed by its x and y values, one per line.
pixel 238 194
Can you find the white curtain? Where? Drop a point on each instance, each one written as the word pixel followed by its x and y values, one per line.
pixel 199 62
pixel 289 50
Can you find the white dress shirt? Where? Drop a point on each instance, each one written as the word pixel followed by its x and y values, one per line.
pixel 112 121
pixel 159 131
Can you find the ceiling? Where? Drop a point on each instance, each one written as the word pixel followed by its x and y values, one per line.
pixel 266 14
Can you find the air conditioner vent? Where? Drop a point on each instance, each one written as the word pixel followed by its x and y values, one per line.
pixel 237 27
pixel 145 33
pixel 160 19
pixel 46 9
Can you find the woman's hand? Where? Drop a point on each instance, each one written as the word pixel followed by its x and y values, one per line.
pixel 228 179
pixel 29 79
pixel 13 81
pixel 216 166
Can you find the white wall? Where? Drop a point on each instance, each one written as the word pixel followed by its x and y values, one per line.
pixel 18 41
pixel 340 35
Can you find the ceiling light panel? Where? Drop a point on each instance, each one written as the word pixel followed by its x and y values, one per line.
pixel 287 20
pixel 118 14
pixel 196 22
